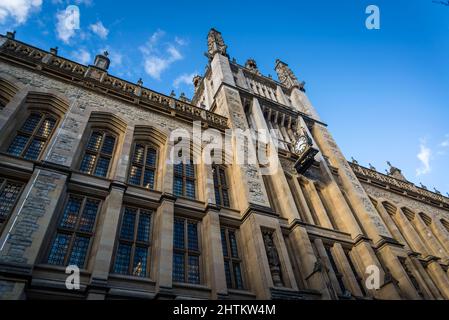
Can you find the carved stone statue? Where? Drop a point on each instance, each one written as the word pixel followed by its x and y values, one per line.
pixel 215 44
pixel 252 66
pixel 273 259
pixel 395 172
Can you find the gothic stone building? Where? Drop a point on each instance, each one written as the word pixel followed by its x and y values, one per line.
pixel 85 181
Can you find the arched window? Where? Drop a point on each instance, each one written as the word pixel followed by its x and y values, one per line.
pixel 98 153
pixel 221 188
pixel 71 243
pixel 143 166
pixel 33 136
pixel 184 179
pixel 133 250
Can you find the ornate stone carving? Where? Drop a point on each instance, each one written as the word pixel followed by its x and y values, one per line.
pixel 273 258
pixel 251 65
pixel 215 44
pixel 286 76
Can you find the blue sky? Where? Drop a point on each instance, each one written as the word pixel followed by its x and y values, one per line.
pixel 384 93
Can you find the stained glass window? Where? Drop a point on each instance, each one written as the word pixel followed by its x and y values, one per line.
pixel 143 166
pixel 232 261
pixel 98 154
pixel 33 136
pixel 221 188
pixel 132 253
pixel 186 251
pixel 184 180
pixel 9 194
pixel 75 230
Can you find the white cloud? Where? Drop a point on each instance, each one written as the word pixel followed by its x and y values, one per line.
pixel 65 25
pixel 184 79
pixel 19 10
pixel 445 143
pixel 158 57
pixel 81 56
pixel 99 29
pixel 424 156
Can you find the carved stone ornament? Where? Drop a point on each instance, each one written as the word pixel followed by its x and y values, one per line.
pixel 286 76
pixel 215 44
pixel 305 151
pixel 273 258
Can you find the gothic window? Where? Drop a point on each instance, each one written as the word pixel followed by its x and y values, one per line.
pixel 184 179
pixel 71 243
pixel 9 194
pixel 186 251
pixel 232 261
pixel 98 154
pixel 133 250
pixel 143 166
pixel 221 188
pixel 32 137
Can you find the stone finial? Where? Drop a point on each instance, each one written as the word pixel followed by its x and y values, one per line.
pixel 395 172
pixel 372 167
pixel 354 160
pixel 252 65
pixel 287 77
pixel 436 190
pixel 183 97
pixel 173 94
pixel 102 61
pixel 11 34
pixel 196 82
pixel 447 193
pixel 423 186
pixel 215 44
pixel 54 51
pixel 140 82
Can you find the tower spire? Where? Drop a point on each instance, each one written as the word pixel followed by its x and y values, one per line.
pixel 215 44
pixel 286 76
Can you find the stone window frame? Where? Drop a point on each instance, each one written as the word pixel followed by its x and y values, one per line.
pixel 7 92
pixel 221 187
pixel 56 229
pixel 233 260
pixel 3 183
pixel 186 251
pixel 147 146
pixel 186 178
pixel 134 242
pixel 44 115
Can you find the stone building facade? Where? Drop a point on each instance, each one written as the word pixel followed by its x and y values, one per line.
pixel 85 180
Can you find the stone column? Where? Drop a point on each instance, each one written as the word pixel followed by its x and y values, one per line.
pixel 24 234
pixel 162 251
pixel 410 233
pixel 214 260
pixel 349 278
pixel 431 241
pixel 440 278
pixel 106 233
pixel 304 207
pixel 318 205
pixel 441 233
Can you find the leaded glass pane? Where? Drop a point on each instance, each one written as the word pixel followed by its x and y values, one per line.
pixel 134 175
pixel 140 262
pixel 192 232
pixel 46 127
pixel 122 259
pixel 177 186
pixel 190 188
pixel 178 234
pixel 217 196
pixel 79 251
pixel 129 218
pixel 31 122
pixel 95 141
pixel 108 145
pixel 18 144
pixel 59 249
pixel 8 198
pixel 222 177
pixel 102 167
pixel 190 170
pixel 139 152
pixel 87 165
pixel 35 149
pixel 71 213
pixel 178 267
pixel 215 174
pixel 89 215
pixel 225 198
pixel 151 157
pixel 223 242
pixel 193 270
pixel 178 169
pixel 238 276
pixel 233 242
pixel 143 231
pixel 228 274
pixel 148 179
